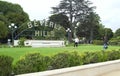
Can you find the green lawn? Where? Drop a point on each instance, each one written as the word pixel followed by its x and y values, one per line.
pixel 16 53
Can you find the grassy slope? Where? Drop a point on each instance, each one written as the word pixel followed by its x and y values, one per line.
pixel 16 53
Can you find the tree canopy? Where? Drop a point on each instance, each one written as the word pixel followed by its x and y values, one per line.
pixel 82 12
pixel 3 31
pixel 117 32
pixel 89 27
pixel 76 10
pixel 60 19
pixel 11 13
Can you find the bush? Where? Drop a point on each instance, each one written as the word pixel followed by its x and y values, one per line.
pixel 66 59
pixel 115 41
pixel 60 60
pixel 98 42
pixel 75 59
pixel 100 56
pixel 94 57
pixel 104 56
pixel 4 46
pixel 21 42
pixel 113 55
pixel 90 57
pixel 33 62
pixel 5 65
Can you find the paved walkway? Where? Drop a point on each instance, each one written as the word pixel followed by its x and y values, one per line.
pixel 114 73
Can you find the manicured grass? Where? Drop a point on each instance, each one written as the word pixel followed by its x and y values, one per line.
pixel 16 53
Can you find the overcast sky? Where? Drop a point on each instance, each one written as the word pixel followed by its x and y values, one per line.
pixel 108 10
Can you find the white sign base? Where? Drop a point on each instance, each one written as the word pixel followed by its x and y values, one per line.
pixel 42 43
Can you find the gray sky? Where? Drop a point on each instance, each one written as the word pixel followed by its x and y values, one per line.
pixel 108 10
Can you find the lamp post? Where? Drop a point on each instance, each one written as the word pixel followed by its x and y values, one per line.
pixel 75 29
pixel 69 34
pixel 12 27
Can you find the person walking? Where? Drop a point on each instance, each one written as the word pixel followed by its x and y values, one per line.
pixel 76 42
pixel 105 41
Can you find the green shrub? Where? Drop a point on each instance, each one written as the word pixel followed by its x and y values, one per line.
pixel 75 59
pixel 33 62
pixel 98 42
pixel 21 42
pixel 100 56
pixel 5 65
pixel 66 59
pixel 115 41
pixel 94 57
pixel 60 60
pixel 87 57
pixel 104 56
pixel 113 55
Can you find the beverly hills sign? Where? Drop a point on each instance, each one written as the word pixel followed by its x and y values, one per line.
pixel 42 43
pixel 43 23
pixel 40 23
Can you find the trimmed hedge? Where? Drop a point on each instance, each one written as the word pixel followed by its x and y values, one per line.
pixel 95 57
pixel 5 65
pixel 98 42
pixel 113 55
pixel 35 62
pixel 115 41
pixel 66 59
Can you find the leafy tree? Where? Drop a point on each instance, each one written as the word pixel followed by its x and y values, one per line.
pixel 93 21
pixel 60 19
pixel 4 31
pixel 3 27
pixel 117 32
pixel 104 32
pixel 4 19
pixel 76 10
pixel 59 33
pixel 101 31
pixel 89 27
pixel 108 32
pixel 12 13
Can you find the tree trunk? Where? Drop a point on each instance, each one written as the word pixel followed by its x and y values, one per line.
pixel 91 35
